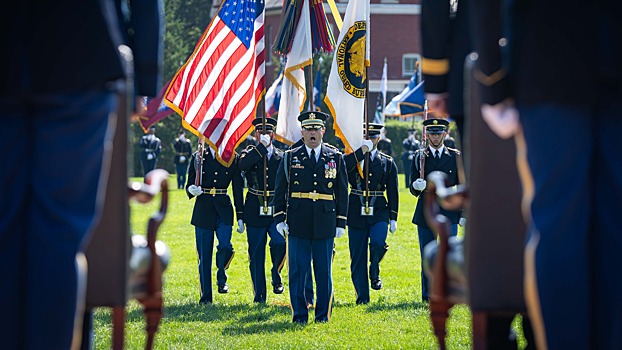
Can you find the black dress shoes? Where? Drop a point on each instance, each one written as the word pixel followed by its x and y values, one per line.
pixel 277 288
pixel 223 288
pixel 376 284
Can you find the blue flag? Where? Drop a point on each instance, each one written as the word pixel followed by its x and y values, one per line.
pixel 411 102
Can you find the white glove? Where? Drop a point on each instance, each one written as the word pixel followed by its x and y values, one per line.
pixel 182 159
pixel 392 226
pixel 419 184
pixel 462 222
pixel 339 232
pixel 502 118
pixel 264 139
pixel 149 156
pixel 240 226
pixel 195 190
pixel 367 145
pixel 282 228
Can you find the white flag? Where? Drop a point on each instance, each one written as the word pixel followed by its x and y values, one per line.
pixel 293 93
pixel 383 94
pixel 345 93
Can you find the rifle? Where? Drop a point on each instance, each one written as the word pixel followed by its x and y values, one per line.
pixel 423 143
pixel 262 112
pixel 198 162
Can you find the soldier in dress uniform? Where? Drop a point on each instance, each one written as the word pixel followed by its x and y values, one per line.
pixel 410 145
pixel 258 163
pixel 437 158
pixel 371 210
pixel 384 143
pixel 213 215
pixel 183 152
pixel 311 204
pixel 152 146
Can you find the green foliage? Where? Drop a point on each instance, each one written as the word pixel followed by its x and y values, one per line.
pixel 185 22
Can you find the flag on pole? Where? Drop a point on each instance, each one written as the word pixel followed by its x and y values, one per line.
pixel 412 102
pixel 154 111
pixel 273 96
pixel 392 107
pixel 345 94
pixel 293 93
pixel 217 90
pixel 382 98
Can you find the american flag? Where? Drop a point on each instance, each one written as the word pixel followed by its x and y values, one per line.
pixel 217 90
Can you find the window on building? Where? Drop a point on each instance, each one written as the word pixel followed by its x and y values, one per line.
pixel 411 64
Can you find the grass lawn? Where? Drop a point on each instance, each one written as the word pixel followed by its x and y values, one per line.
pixel 395 317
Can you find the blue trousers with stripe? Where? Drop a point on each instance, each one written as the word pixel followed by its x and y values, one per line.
pixel 257 240
pixel 361 241
pixel 300 254
pixel 575 238
pixel 53 157
pixel 224 253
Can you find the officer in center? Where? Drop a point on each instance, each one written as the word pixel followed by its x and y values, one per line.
pixel 259 164
pixel 372 209
pixel 311 205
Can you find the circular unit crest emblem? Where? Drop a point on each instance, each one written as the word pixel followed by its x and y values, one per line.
pixel 351 60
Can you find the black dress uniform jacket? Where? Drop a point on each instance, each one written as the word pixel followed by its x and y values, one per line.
pixel 382 177
pixel 445 38
pixel 251 163
pixel 207 207
pixel 447 164
pixel 72 45
pixel 546 61
pixel 308 218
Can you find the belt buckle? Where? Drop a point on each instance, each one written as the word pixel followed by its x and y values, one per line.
pixel 314 196
pixel 266 211
pixel 212 191
pixel 367 211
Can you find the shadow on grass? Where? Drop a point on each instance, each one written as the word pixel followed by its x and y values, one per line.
pixel 246 318
pixel 238 318
pixel 382 306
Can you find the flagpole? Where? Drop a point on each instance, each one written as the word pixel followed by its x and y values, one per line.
pixel 367 155
pixel 261 108
pixel 198 162
pixel 384 93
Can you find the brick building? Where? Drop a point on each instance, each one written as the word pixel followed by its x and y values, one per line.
pixel 395 34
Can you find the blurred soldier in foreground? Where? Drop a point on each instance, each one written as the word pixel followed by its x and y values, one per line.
pixel 534 85
pixel 372 209
pixel 259 164
pixel 62 84
pixel 311 204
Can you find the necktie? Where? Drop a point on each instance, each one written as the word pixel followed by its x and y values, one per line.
pixel 437 154
pixel 313 160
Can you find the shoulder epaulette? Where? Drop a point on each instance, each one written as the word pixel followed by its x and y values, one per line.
pixel 385 155
pixel 456 151
pixel 331 146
